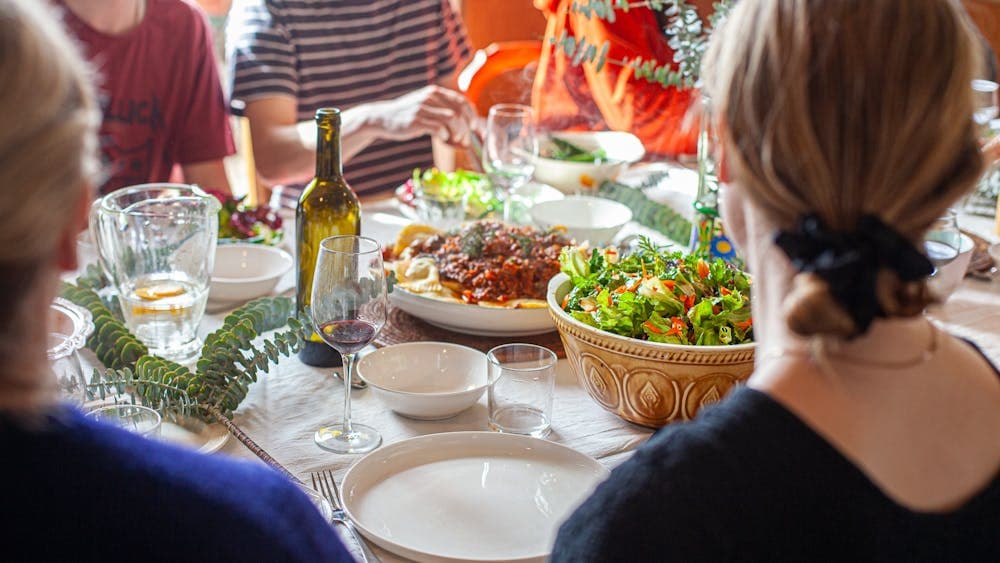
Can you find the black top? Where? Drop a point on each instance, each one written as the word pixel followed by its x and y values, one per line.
pixel 76 490
pixel 749 481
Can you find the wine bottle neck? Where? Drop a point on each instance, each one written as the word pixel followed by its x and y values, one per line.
pixel 328 163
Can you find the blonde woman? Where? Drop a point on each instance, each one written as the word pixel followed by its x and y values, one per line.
pixel 866 433
pixel 74 489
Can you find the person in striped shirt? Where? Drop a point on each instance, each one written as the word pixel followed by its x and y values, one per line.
pixel 385 64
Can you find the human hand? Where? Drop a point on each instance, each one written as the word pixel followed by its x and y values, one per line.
pixel 991 150
pixel 431 110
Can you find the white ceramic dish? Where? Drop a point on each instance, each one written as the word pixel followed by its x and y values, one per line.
pixel 468 496
pixel 246 271
pixel 586 218
pixel 425 380
pixel 948 277
pixel 474 319
pixel 191 433
pixel 621 149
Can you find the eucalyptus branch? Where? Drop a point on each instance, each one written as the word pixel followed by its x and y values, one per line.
pixel 113 344
pixel 686 34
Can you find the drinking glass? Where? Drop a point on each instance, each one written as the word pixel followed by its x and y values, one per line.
pixel 942 243
pixel 348 308
pixel 521 386
pixel 510 150
pixel 156 243
pixel 141 420
pixel 985 107
pixel 442 209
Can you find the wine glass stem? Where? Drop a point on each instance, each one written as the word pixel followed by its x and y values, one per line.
pixel 508 211
pixel 348 363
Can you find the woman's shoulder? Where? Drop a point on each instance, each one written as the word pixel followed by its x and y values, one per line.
pixel 686 492
pixel 232 509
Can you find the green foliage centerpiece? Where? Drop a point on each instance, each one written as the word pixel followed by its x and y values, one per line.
pixel 231 357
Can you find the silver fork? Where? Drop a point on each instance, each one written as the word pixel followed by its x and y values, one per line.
pixel 324 482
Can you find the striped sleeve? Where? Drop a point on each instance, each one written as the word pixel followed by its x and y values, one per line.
pixel 262 59
pixel 453 45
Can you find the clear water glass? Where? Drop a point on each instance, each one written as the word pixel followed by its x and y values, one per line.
pixel 521 387
pixel 985 107
pixel 510 150
pixel 348 309
pixel 139 419
pixel 444 210
pixel 943 240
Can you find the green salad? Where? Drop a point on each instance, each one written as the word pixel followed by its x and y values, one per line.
pixel 659 296
pixel 561 149
pixel 451 185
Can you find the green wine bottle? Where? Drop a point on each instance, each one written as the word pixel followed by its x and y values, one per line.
pixel 327 207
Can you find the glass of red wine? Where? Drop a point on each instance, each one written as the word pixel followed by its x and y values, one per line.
pixel 348 309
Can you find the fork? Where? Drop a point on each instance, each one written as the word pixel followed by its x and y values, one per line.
pixel 324 482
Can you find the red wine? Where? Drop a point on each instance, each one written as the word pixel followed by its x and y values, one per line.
pixel 347 337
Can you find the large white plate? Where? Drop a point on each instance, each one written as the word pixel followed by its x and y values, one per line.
pixel 205 438
pixel 474 319
pixel 468 496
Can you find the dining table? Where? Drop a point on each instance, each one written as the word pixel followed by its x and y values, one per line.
pixel 286 405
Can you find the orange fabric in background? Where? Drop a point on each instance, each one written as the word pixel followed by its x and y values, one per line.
pixel 578 97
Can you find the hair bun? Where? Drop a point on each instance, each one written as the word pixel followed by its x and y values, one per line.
pixel 811 309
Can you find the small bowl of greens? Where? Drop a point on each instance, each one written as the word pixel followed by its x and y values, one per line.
pixel 240 223
pixel 655 335
pixel 473 188
pixel 580 161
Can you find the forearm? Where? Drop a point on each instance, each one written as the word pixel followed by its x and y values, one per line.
pixel 287 154
pixel 207 174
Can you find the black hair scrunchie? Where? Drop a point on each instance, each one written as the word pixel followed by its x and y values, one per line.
pixel 849 261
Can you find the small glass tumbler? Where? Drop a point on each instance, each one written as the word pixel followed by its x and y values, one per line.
pixel 442 209
pixel 522 381
pixel 141 420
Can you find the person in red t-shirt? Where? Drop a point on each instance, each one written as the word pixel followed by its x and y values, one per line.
pixel 568 96
pixel 160 91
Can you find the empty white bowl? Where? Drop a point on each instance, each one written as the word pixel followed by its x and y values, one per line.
pixel 246 271
pixel 570 177
pixel 586 218
pixel 948 277
pixel 425 380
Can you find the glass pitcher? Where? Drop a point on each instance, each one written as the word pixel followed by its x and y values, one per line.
pixel 156 243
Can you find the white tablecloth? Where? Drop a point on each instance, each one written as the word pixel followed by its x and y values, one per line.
pixel 288 404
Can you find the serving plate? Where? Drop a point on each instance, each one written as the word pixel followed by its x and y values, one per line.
pixel 468 496
pixel 473 319
pixel 194 434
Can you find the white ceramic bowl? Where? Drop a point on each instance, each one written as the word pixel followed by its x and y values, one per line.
pixel 948 277
pixel 586 218
pixel 425 380
pixel 621 149
pixel 246 271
